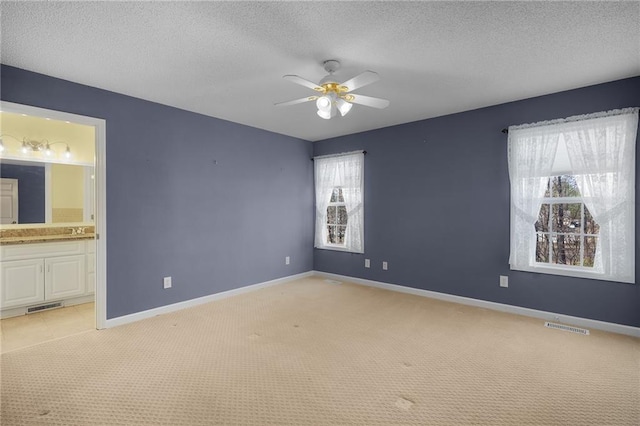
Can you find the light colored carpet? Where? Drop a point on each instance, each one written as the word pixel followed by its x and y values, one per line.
pixel 310 353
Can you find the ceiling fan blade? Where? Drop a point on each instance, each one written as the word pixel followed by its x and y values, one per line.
pixel 361 80
pixel 366 100
pixel 301 81
pixel 297 101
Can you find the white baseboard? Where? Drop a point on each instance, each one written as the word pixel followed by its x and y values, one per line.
pixel 547 316
pixel 126 319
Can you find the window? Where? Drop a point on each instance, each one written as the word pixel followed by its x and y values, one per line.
pixel 573 196
pixel 339 184
pixel 566 233
pixel 336 218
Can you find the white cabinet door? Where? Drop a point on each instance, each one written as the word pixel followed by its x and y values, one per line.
pixel 65 277
pixel 22 282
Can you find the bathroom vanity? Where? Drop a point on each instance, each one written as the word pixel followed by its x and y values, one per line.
pixel 42 267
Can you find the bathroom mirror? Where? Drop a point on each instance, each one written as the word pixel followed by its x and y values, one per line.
pixel 47 192
pixel 46 166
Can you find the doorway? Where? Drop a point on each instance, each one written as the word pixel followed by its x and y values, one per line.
pixel 93 210
pixel 8 201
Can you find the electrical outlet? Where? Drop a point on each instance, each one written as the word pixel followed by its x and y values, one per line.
pixel 385 266
pixel 167 282
pixel 504 281
pixel 367 263
pixel 287 260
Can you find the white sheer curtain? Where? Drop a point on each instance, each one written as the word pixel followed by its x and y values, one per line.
pixel 326 171
pixel 352 189
pixel 531 154
pixel 603 153
pixel 345 171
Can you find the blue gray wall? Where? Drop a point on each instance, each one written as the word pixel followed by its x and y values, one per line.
pixel 437 208
pixel 218 205
pixel 31 191
pixel 214 204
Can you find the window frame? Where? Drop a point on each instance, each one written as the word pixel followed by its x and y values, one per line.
pixel 551 201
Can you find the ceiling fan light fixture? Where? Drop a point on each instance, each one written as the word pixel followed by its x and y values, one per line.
pixel 334 97
pixel 343 106
pixel 324 103
pixel 324 114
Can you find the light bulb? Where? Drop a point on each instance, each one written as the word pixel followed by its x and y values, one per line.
pixel 24 147
pixel 323 103
pixel 1 146
pixel 47 150
pixel 67 153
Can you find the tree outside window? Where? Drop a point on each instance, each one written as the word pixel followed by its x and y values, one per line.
pixel 336 218
pixel 566 233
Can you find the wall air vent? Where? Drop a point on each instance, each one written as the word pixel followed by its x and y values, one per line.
pixel 47 307
pixel 566 328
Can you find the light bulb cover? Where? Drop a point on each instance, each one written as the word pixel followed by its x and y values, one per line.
pixel 324 114
pixel 1 146
pixel 47 150
pixel 323 103
pixel 67 153
pixel 25 149
pixel 343 106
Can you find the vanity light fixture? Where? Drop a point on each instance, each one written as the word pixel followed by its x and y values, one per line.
pixel 36 146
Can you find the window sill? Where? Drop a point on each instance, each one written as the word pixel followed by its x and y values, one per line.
pixel 338 248
pixel 570 272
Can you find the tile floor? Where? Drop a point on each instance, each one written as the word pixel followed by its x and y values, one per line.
pixel 28 330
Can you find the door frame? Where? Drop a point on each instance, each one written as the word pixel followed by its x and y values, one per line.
pixel 100 173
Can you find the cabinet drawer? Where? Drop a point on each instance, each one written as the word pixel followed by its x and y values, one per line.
pixel 30 251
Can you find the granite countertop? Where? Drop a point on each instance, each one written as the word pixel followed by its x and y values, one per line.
pixel 31 239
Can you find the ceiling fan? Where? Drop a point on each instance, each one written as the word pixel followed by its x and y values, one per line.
pixel 334 97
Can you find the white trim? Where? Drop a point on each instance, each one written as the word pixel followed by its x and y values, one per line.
pixel 100 126
pixel 88 196
pixel 578 272
pixel 48 206
pixel 126 319
pixel 100 221
pixel 549 316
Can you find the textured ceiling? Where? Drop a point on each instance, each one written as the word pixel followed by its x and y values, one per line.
pixel 227 59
